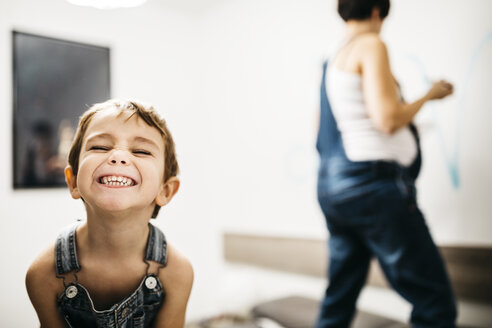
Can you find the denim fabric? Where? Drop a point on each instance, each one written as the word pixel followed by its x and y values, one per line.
pixel 371 210
pixel 66 251
pixel 137 310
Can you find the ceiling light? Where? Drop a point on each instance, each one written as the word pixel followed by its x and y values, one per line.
pixel 108 4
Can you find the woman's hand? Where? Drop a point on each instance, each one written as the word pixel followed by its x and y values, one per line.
pixel 381 96
pixel 440 90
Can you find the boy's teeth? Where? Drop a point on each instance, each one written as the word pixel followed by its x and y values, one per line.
pixel 117 181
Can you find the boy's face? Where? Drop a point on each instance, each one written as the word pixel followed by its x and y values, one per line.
pixel 128 151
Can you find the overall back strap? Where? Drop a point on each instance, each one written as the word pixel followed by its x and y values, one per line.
pixel 328 139
pixel 156 246
pixel 66 251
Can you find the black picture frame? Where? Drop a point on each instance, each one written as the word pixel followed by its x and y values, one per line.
pixel 54 82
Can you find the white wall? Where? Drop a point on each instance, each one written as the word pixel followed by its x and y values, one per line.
pixel 238 83
pixel 262 64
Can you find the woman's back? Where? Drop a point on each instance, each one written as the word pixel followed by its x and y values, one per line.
pixel 362 139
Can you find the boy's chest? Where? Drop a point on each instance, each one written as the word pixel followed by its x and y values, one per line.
pixel 110 285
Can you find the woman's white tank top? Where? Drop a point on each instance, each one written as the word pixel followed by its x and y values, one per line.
pixel 361 139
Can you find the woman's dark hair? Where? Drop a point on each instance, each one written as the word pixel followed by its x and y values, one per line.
pixel 362 9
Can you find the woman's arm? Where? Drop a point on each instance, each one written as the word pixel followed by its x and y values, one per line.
pixel 177 279
pixel 43 287
pixel 380 91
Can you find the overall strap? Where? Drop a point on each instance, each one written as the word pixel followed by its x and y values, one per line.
pixel 329 141
pixel 66 251
pixel 329 138
pixel 322 134
pixel 414 169
pixel 156 246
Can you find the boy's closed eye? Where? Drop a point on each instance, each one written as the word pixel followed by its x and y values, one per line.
pixel 141 152
pixel 103 148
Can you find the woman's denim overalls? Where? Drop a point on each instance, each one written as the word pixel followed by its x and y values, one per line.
pixel 138 310
pixel 371 210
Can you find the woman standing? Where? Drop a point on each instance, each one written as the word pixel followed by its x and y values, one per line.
pixel 370 158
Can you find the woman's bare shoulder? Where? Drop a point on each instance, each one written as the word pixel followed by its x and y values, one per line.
pixel 371 43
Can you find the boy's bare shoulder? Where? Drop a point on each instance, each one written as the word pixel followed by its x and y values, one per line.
pixel 177 278
pixel 42 270
pixel 43 288
pixel 41 275
pixel 178 270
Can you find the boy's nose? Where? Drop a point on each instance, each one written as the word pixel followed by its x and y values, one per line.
pixel 115 161
pixel 118 157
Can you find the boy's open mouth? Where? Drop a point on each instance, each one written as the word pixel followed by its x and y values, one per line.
pixel 116 180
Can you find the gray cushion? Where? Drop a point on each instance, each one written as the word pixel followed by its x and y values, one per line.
pixel 301 312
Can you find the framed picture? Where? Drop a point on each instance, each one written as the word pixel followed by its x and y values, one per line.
pixel 55 81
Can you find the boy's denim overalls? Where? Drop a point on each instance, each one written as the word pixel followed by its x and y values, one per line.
pixel 370 209
pixel 137 310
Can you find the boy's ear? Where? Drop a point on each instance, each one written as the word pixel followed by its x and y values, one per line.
pixel 71 180
pixel 167 192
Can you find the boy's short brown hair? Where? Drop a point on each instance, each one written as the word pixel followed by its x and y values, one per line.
pixel 145 112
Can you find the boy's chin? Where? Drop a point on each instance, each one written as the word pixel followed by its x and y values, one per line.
pixel 117 206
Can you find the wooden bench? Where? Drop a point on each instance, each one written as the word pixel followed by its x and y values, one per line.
pixel 469 267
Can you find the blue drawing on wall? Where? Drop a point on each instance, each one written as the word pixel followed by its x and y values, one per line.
pixel 452 155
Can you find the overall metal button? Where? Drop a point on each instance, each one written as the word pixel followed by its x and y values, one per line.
pixel 150 282
pixel 125 312
pixel 71 291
